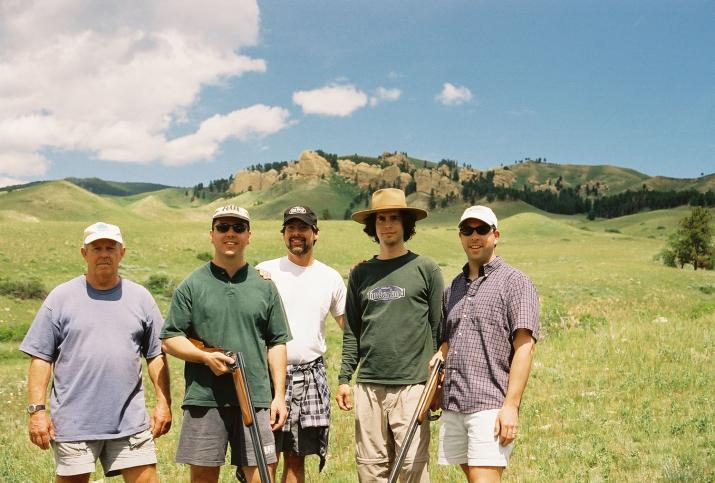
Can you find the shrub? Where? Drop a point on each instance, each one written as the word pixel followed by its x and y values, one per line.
pixel 667 256
pixel 26 289
pixel 160 284
pixel 204 256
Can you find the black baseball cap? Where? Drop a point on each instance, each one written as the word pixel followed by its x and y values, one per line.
pixel 302 213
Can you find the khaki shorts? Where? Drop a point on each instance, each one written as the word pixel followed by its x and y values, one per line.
pixel 382 416
pixel 469 439
pixel 79 457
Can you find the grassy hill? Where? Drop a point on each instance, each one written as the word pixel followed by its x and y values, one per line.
pixel 58 201
pixel 613 179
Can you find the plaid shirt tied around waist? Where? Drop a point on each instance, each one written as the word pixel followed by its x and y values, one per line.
pixel 315 405
pixel 479 320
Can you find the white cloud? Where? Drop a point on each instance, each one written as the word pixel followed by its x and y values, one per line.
pixel 19 163
pixel 10 181
pixel 452 95
pixel 333 100
pixel 111 78
pixel 257 120
pixel 383 94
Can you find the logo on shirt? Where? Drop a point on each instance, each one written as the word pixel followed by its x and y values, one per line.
pixel 391 292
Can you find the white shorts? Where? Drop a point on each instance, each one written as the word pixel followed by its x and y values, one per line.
pixel 469 439
pixel 79 457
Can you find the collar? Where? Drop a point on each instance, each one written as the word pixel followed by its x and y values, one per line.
pixel 484 270
pixel 222 274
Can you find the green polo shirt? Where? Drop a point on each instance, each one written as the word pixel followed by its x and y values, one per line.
pixel 393 311
pixel 243 313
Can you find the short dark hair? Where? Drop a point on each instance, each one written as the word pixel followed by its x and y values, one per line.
pixel 408 225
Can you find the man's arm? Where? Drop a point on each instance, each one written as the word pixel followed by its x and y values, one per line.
pixel 183 349
pixel 40 426
pixel 436 291
pixel 507 421
pixel 350 352
pixel 160 420
pixel 277 365
pixel 340 319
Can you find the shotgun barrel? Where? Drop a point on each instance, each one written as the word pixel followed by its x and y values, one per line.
pixel 418 417
pixel 248 413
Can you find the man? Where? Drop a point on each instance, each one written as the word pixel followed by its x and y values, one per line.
pixel 226 304
pixel 88 338
pixel 393 312
pixel 488 338
pixel 309 290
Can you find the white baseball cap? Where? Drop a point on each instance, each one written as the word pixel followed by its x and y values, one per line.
pixel 480 212
pixel 100 231
pixel 232 211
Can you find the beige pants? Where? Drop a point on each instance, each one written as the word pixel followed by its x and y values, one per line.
pixel 382 416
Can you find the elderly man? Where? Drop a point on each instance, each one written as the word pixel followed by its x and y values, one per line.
pixel 393 309
pixel 310 290
pixel 88 338
pixel 488 335
pixel 226 304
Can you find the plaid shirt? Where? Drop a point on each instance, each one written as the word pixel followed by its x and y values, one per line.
pixel 315 405
pixel 479 321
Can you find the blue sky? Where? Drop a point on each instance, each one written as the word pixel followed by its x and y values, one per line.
pixel 146 91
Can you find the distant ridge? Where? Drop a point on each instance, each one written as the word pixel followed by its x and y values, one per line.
pixel 115 188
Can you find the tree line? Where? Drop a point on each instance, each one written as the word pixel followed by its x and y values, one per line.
pixel 579 200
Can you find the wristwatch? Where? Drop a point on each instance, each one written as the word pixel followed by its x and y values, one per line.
pixel 33 408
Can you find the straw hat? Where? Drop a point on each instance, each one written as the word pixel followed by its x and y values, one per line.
pixel 388 199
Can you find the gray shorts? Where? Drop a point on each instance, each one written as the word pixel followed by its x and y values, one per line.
pixel 207 432
pixel 79 457
pixel 299 440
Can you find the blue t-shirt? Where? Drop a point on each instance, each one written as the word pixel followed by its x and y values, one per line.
pixel 96 339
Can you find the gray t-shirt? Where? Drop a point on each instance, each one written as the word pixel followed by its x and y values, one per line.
pixel 96 339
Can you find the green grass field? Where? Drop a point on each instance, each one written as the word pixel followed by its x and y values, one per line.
pixel 622 384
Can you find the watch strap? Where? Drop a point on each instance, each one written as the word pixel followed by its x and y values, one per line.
pixel 33 408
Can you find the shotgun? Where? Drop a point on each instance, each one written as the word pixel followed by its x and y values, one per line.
pixel 248 413
pixel 423 406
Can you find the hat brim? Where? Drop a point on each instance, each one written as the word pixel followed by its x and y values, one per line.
pixel 361 216
pixel 102 236
pixel 232 215
pixel 304 218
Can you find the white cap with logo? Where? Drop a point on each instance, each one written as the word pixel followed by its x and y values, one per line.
pixel 101 231
pixel 479 212
pixel 232 211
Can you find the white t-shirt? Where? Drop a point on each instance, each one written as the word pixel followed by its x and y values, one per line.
pixel 308 294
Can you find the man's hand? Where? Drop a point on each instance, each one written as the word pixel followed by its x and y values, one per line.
pixel 160 420
pixel 41 429
pixel 217 362
pixel 507 424
pixel 343 397
pixel 264 274
pixel 278 414
pixel 436 357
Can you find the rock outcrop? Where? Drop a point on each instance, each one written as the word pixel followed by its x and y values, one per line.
pixel 312 165
pixel 428 180
pixel 253 180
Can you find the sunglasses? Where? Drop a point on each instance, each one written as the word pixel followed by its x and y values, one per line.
pixel 481 229
pixel 237 227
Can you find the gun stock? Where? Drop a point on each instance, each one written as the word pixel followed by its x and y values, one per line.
pixel 418 418
pixel 248 413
